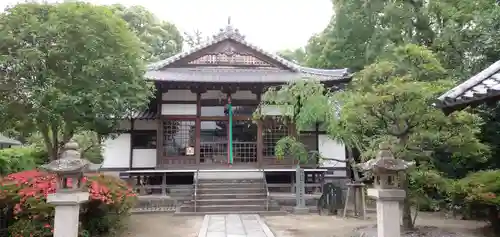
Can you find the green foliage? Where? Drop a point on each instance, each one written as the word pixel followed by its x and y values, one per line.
pixel 59 63
pixel 391 99
pixel 90 145
pixel 297 55
pixel 428 189
pixel 195 38
pixel 160 39
pixel 302 102
pixel 479 192
pixel 481 186
pixel 360 31
pixel 17 159
pixel 405 54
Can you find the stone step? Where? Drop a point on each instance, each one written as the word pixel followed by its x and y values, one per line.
pixel 220 190
pixel 230 175
pixel 231 181
pixel 226 208
pixel 230 196
pixel 262 213
pixel 229 186
pixel 240 201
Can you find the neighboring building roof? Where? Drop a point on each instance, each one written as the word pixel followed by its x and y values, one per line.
pixel 479 88
pixel 8 141
pixel 221 74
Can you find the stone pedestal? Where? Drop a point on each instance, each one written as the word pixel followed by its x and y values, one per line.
pixel 388 213
pixel 67 207
pixel 300 190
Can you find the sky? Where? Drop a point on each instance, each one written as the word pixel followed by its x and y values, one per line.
pixel 271 24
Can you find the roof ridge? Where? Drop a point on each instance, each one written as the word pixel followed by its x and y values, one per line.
pixel 228 33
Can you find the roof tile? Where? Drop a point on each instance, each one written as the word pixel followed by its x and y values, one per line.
pixel 481 86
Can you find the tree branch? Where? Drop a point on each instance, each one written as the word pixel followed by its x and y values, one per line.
pixel 338 160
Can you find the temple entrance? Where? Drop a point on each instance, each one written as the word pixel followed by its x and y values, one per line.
pixel 227 134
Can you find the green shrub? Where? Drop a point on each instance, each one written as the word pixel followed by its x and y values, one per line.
pixel 26 192
pixel 17 159
pixel 428 189
pixel 478 196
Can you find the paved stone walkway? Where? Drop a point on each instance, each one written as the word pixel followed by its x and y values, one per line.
pixel 234 225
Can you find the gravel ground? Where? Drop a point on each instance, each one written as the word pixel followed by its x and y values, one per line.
pixel 429 225
pixel 313 225
pixel 163 224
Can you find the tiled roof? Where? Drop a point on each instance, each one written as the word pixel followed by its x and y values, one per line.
pixel 230 33
pixel 478 88
pixel 240 75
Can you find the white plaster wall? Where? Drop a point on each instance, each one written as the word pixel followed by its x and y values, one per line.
pixel 144 158
pixel 179 95
pixel 244 95
pixel 178 109
pixel 208 125
pixel 273 110
pixel 116 152
pixel 145 124
pixel 213 94
pixel 329 148
pixel 212 111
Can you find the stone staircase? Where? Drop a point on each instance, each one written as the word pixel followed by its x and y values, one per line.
pixel 230 192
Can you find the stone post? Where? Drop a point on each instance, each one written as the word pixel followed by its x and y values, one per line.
pixel 385 169
pixel 300 186
pixel 69 194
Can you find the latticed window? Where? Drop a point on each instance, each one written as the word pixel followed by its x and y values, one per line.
pixel 273 131
pixel 178 135
pixel 213 141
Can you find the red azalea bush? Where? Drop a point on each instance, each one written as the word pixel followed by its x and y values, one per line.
pixel 25 194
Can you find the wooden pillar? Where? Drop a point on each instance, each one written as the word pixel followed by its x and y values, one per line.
pixel 164 184
pixel 159 129
pixel 131 157
pixel 198 128
pixel 260 139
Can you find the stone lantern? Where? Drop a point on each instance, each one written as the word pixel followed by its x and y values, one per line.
pixel 69 170
pixel 386 170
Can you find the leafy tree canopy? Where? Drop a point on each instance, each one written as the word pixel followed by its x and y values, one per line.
pixel 461 33
pixel 391 100
pixel 160 39
pixel 68 67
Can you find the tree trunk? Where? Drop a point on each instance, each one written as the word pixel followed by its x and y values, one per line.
pixel 352 163
pixel 407 220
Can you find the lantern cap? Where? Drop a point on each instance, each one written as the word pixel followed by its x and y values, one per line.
pixel 70 162
pixel 385 163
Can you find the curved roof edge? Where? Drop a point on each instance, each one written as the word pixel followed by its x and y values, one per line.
pixel 481 87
